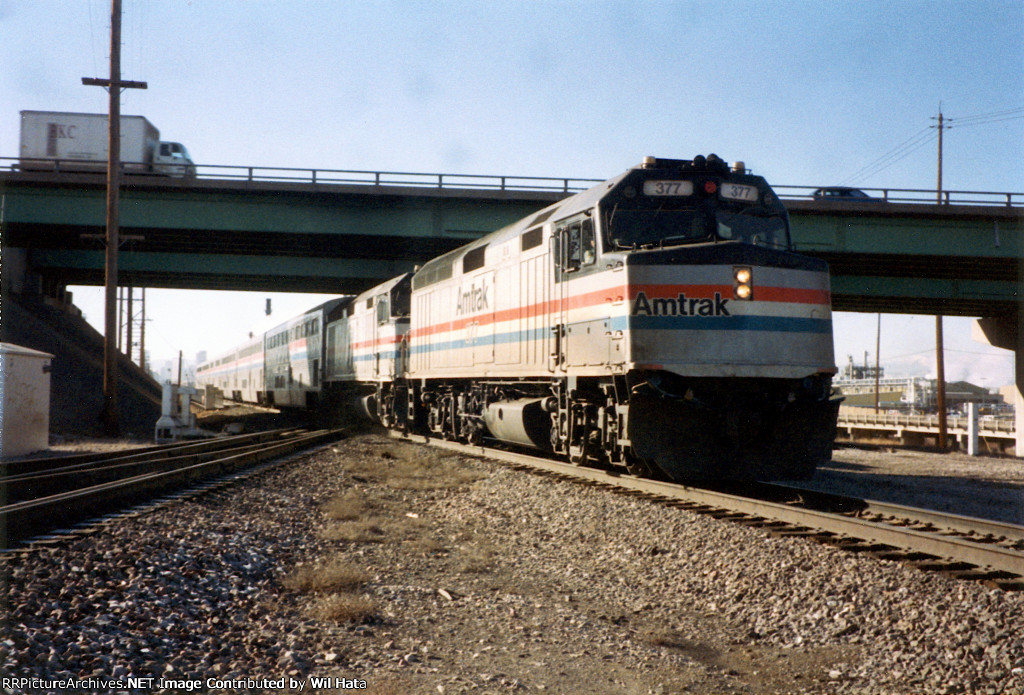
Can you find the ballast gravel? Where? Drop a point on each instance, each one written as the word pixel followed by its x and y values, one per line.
pixel 485 579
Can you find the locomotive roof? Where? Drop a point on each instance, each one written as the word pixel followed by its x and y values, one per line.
pixel 255 340
pixel 383 287
pixel 325 308
pixel 441 267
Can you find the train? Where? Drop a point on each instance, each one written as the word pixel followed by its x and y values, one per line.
pixel 659 322
pixel 282 367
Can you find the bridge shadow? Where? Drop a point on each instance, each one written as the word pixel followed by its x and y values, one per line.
pixel 988 488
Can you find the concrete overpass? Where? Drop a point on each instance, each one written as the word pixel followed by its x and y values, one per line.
pixel 315 231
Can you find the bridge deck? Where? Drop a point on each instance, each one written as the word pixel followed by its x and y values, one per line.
pixel 311 230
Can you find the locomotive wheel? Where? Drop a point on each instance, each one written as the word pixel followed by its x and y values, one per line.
pixel 639 467
pixel 582 455
pixel 642 467
pixel 474 434
pixel 578 455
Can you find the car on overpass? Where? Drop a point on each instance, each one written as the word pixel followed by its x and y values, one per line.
pixel 844 194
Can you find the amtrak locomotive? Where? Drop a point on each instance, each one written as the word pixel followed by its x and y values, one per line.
pixel 658 321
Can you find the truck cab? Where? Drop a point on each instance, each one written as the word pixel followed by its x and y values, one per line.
pixel 172 159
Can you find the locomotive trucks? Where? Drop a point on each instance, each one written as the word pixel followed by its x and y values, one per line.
pixel 60 141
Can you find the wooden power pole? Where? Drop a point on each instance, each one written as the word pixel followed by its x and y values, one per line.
pixel 142 335
pixel 940 383
pixel 114 85
pixel 940 366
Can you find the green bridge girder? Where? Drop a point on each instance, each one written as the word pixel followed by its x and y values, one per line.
pixel 916 258
pixel 286 236
pixel 246 236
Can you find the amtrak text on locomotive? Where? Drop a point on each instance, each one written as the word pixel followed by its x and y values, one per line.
pixel 472 299
pixel 680 306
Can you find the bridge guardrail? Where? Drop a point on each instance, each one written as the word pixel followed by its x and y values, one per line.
pixel 397 178
pixel 358 177
pixel 920 196
pixel 499 182
pixel 865 416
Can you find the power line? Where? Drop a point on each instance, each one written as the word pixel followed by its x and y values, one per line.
pixel 898 153
pixel 1005 114
pixel 910 142
pixel 926 136
pixel 957 124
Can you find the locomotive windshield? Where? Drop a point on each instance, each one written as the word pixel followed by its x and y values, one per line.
pixel 647 222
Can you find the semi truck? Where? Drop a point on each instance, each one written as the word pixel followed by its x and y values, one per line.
pixel 62 141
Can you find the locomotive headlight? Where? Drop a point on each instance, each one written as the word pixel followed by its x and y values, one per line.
pixel 743 285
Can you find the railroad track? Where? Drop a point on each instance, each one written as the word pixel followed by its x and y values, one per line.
pixel 963 547
pixel 43 494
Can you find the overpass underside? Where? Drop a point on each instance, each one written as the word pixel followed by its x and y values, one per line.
pixel 916 259
pixel 244 235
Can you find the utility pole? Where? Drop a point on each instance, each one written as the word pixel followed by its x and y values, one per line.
pixel 940 369
pixel 940 366
pixel 142 334
pixel 878 351
pixel 114 85
pixel 128 339
pixel 938 185
pixel 120 319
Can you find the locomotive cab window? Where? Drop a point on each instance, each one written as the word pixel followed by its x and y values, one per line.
pixel 753 227
pixel 576 245
pixel 383 309
pixel 400 301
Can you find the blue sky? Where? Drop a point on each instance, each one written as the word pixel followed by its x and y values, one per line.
pixel 804 92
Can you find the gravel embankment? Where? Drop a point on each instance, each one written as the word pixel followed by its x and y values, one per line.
pixel 452 575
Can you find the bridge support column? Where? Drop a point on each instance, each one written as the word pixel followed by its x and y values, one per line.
pixel 1007 331
pixel 972 429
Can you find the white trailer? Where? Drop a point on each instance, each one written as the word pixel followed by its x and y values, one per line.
pixel 61 141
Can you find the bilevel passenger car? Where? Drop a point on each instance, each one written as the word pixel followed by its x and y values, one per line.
pixel 659 321
pixel 283 367
pixel 238 374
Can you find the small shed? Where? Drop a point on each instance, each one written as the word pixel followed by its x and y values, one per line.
pixel 24 400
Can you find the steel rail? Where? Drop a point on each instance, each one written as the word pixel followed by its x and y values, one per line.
pixel 28 518
pixel 984 556
pixel 77 476
pixel 23 468
pixel 944 520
